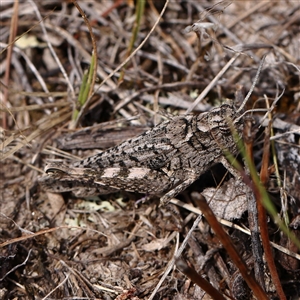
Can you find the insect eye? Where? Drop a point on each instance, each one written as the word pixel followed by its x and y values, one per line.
pixel 54 171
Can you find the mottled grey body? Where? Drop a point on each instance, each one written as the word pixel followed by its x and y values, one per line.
pixel 161 161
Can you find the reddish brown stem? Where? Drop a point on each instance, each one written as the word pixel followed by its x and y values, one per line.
pixel 257 250
pixel 228 245
pixel 262 218
pixel 197 278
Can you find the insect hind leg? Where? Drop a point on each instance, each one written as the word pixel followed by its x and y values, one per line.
pixel 164 200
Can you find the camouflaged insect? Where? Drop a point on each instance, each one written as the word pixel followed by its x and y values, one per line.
pixel 162 161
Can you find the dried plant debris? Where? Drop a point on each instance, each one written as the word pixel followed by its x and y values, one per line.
pixel 229 201
pixel 288 153
pixel 97 138
pixel 120 245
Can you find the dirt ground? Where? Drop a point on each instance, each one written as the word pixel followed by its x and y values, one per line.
pixel 124 245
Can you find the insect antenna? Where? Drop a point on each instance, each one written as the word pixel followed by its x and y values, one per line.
pixel 253 84
pixel 267 110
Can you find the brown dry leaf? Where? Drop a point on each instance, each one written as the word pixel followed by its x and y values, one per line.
pixel 228 201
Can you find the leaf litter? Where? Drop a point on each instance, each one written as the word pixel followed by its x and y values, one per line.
pixel 120 251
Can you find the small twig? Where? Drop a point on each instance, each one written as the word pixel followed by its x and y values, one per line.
pixel 62 69
pixel 257 251
pixel 197 278
pixel 235 226
pixel 59 285
pixel 139 12
pixel 259 189
pixel 94 64
pixel 253 84
pixel 262 218
pixel 212 83
pixel 129 57
pixel 228 245
pixel 17 266
pixel 33 70
pixel 94 44
pixel 176 256
pixel 232 36
pixel 42 127
pixel 12 35
pixel 166 272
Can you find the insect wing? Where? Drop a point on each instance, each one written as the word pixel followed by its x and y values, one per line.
pixel 153 149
